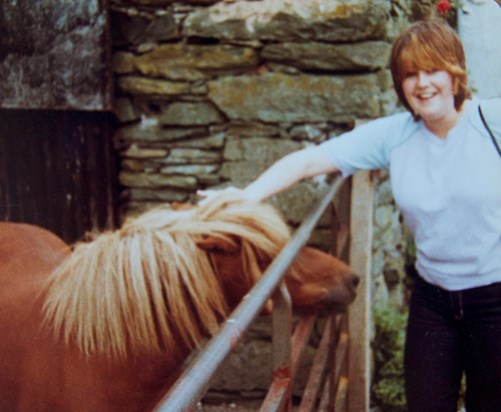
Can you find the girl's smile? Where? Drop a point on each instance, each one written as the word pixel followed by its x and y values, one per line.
pixel 430 95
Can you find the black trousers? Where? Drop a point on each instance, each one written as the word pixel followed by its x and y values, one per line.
pixel 450 333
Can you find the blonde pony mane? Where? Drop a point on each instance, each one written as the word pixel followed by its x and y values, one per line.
pixel 142 288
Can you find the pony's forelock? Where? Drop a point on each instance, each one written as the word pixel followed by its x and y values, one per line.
pixel 144 287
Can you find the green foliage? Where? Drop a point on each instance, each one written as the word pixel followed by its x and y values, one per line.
pixel 410 247
pixel 388 346
pixel 390 395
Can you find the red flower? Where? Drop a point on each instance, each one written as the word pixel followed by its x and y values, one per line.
pixel 443 6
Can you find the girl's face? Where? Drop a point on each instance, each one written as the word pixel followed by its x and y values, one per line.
pixel 430 94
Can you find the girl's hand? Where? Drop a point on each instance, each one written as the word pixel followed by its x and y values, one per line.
pixel 208 195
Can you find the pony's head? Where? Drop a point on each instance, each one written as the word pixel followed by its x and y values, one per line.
pixel 169 277
pixel 316 281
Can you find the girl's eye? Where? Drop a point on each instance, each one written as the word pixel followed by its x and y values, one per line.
pixel 415 73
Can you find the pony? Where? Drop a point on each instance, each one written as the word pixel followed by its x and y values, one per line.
pixel 106 325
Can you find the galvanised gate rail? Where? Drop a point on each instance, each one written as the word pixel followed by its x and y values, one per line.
pixel 286 351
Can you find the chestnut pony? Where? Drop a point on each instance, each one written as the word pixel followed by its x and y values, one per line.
pixel 106 325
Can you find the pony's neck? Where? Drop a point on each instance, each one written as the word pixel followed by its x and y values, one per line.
pixel 151 378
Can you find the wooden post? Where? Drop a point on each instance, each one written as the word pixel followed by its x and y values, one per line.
pixel 359 322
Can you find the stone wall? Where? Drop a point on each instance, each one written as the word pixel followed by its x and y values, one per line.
pixel 210 93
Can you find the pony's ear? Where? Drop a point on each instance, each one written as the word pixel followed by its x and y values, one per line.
pixel 218 244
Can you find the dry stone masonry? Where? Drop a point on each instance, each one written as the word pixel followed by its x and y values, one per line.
pixel 210 93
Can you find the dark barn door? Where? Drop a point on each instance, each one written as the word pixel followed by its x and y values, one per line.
pixel 57 170
pixel 57 165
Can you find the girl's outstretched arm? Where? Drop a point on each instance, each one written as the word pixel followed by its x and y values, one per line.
pixel 283 174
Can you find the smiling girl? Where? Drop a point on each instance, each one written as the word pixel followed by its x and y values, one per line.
pixel 445 176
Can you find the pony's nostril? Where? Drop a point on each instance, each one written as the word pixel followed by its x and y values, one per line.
pixel 355 280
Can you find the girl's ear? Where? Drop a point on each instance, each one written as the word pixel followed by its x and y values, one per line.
pixel 219 244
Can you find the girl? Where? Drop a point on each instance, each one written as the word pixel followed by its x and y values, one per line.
pixel 445 176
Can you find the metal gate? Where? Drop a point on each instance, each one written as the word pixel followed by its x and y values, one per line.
pixel 335 360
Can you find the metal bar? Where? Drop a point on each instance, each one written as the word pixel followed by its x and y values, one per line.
pixel 318 369
pixel 342 395
pixel 281 386
pixel 193 383
pixel 277 399
pixel 334 332
pixel 335 226
pixel 342 236
pixel 278 396
pixel 282 330
pixel 300 339
pixel 281 343
pixel 341 350
pixel 340 401
pixel 341 355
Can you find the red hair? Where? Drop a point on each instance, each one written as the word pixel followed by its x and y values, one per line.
pixel 430 46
